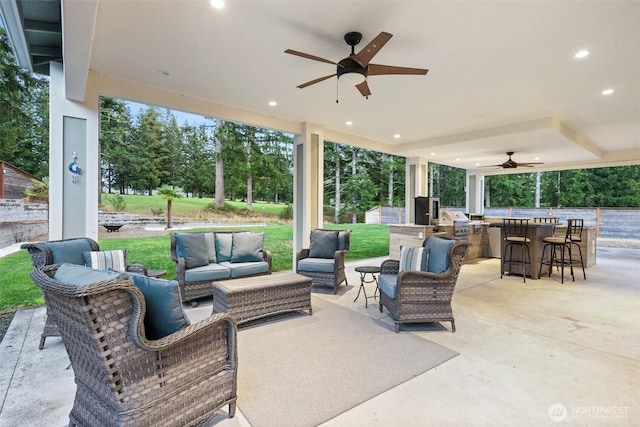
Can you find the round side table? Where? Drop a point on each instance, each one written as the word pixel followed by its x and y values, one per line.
pixel 157 273
pixel 364 270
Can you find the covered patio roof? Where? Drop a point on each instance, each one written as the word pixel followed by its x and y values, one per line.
pixel 502 75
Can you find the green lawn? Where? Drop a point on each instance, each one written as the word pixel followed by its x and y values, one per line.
pixel 191 207
pixel 17 289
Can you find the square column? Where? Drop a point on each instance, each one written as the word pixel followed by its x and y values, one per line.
pixel 308 181
pixel 416 184
pixel 74 170
pixel 475 192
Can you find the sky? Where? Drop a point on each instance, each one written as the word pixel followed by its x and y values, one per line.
pixel 181 117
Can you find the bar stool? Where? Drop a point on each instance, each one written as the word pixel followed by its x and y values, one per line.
pixel 550 220
pixel 516 233
pixel 572 237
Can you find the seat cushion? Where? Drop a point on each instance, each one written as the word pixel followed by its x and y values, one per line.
pixel 388 283
pixel 68 251
pixel 192 247
pixel 106 260
pixel 322 265
pixel 438 254
pixel 241 269
pixel 324 244
pixel 247 247
pixel 224 245
pixel 413 258
pixel 164 314
pixel 207 273
pixel 81 276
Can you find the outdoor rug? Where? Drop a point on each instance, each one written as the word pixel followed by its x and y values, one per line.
pixel 303 370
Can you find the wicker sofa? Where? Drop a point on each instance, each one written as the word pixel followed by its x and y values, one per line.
pixel 415 296
pixel 123 376
pixel 205 257
pixel 66 251
pixel 323 261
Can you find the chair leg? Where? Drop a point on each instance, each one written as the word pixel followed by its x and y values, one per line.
pixel 397 327
pixel 581 260
pixel 453 326
pixel 43 337
pixel 232 409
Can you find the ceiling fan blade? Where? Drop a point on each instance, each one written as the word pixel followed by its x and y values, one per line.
pixel 312 82
pixel 377 70
pixel 369 51
pixel 530 165
pixel 313 57
pixel 364 88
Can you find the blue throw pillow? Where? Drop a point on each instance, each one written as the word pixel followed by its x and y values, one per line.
pixel 193 248
pixel 68 251
pixel 438 254
pixel 164 306
pixel 224 244
pixel 324 244
pixel 416 259
pixel 81 276
pixel 247 247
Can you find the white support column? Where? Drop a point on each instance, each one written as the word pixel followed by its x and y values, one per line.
pixel 308 173
pixel 73 130
pixel 417 180
pixel 475 192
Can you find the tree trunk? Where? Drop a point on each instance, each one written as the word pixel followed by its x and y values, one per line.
pixel 354 214
pixel 249 192
pixel 337 197
pixel 169 224
pixel 537 201
pixel 390 186
pixel 219 169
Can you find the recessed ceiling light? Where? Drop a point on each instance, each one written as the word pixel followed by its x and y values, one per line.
pixel 349 123
pixel 581 54
pixel 396 136
pixel 433 154
pixel 457 160
pixel 273 103
pixel 607 91
pixel 217 4
pixel 477 164
pixel 536 158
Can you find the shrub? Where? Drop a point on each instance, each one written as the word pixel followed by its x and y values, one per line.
pixel 118 202
pixel 286 214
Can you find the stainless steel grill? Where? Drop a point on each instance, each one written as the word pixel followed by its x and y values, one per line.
pixel 460 223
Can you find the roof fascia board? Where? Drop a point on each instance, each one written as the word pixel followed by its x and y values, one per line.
pixel 78 26
pixel 12 20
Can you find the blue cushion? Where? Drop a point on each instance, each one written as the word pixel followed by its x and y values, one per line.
pixel 210 242
pixel 323 265
pixel 192 247
pixel 324 244
pixel 241 269
pixel 247 247
pixel 388 283
pixel 413 258
pixel 80 275
pixel 438 254
pixel 224 244
pixel 164 314
pixel 208 272
pixel 106 260
pixel 342 240
pixel 68 251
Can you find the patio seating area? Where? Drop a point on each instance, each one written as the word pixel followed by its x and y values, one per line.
pixel 542 350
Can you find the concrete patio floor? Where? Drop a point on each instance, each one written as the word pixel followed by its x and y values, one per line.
pixel 539 353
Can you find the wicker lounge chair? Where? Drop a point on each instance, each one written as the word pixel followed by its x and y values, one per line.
pixel 322 262
pixel 421 296
pixel 64 251
pixel 124 378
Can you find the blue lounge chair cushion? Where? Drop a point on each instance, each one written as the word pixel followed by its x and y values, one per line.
pixel 438 254
pixel 324 244
pixel 247 247
pixel 322 265
pixel 69 251
pixel 388 283
pixel 164 314
pixel 207 272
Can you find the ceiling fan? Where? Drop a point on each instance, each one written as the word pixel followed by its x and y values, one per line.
pixel 511 164
pixel 358 63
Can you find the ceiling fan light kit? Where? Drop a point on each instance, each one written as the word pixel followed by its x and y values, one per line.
pixel 357 66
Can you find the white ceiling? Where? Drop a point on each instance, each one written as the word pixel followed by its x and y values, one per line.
pixel 502 76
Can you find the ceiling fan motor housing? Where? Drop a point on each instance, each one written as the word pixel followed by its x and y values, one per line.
pixel 349 65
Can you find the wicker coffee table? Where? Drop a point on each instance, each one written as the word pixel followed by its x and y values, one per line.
pixel 255 297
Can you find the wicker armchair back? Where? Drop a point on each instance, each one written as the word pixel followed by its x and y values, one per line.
pixel 422 296
pixel 41 255
pixel 125 379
